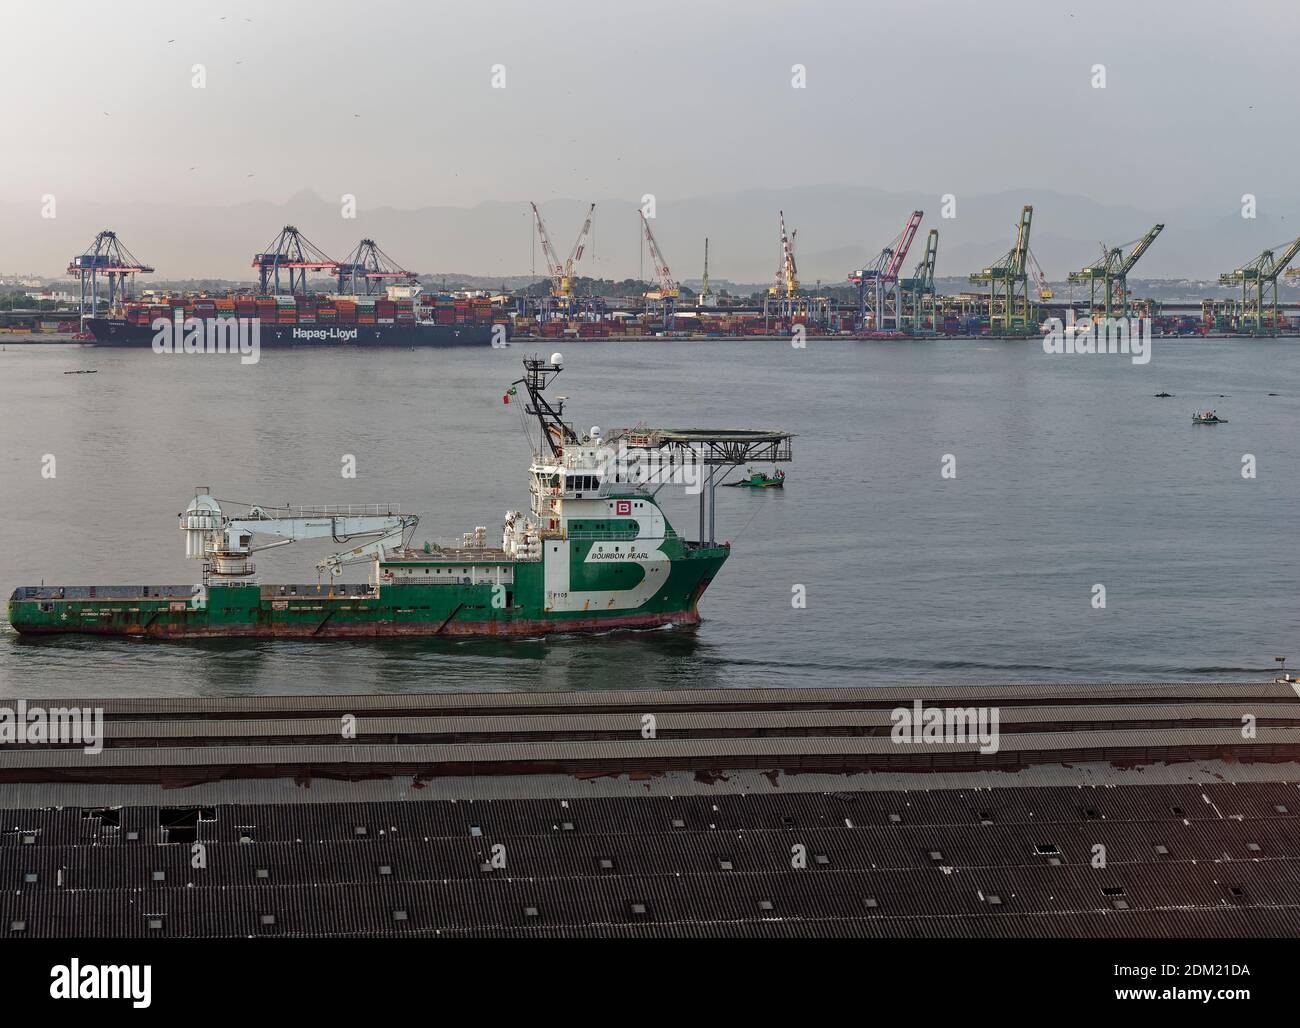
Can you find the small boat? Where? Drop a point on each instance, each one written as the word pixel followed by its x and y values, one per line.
pixel 761 480
pixel 1208 418
pixel 83 372
pixel 1163 395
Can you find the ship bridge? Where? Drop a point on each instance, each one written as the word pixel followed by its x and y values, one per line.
pixel 721 450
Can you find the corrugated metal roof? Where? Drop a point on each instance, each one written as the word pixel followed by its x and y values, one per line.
pixel 961 864
pixel 1109 744
pixel 1209 774
pixel 707 698
pixel 668 721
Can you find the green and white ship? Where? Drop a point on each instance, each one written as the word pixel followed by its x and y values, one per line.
pixel 593 552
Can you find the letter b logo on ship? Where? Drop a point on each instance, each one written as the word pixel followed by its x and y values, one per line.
pixel 622 506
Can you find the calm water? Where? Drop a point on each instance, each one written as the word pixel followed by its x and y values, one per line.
pixel 1069 473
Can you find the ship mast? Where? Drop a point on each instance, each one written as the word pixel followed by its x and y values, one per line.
pixel 538 374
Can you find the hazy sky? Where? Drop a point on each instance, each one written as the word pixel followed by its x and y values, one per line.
pixel 609 99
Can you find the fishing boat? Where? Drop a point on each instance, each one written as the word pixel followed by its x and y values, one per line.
pixel 1208 418
pixel 761 480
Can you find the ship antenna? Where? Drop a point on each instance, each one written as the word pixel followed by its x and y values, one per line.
pixel 538 374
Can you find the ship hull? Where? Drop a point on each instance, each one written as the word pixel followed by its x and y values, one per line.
pixel 482 629
pixel 118 332
pixel 313 612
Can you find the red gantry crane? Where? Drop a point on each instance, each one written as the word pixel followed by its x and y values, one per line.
pixel 882 301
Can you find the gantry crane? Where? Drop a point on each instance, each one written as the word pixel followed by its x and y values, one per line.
pixel 108 257
pixel 1107 277
pixel 367 267
pixel 295 253
pixel 878 292
pixel 1008 282
pixel 918 291
pixel 562 274
pixel 1258 282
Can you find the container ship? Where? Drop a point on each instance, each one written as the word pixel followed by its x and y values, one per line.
pixel 593 552
pixel 394 319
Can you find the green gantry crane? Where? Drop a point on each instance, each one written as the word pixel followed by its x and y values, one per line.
pixel 1108 276
pixel 1008 284
pixel 919 289
pixel 1258 282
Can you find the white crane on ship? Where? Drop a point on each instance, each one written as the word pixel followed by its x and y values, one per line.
pixel 225 543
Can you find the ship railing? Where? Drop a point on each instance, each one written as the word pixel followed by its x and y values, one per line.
pixel 102 592
pixel 340 590
pixel 457 580
pixel 613 537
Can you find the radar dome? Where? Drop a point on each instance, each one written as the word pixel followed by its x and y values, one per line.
pixel 557 359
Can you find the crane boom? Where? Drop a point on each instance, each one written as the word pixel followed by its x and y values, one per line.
pixel 667 286
pixel 1288 255
pixel 904 244
pixel 1021 251
pixel 787 276
pixel 1136 253
pixel 575 255
pixel 225 542
pixel 925 269
pixel 553 266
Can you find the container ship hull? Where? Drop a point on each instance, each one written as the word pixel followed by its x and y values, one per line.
pixel 119 332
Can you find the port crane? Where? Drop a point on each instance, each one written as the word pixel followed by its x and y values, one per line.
pixel 108 257
pixel 562 273
pixel 706 297
pixel 1008 283
pixel 293 252
pixel 918 291
pixel 1107 277
pixel 878 292
pixel 1258 283
pixel 367 267
pixel 224 542
pixel 787 275
pixel 667 292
